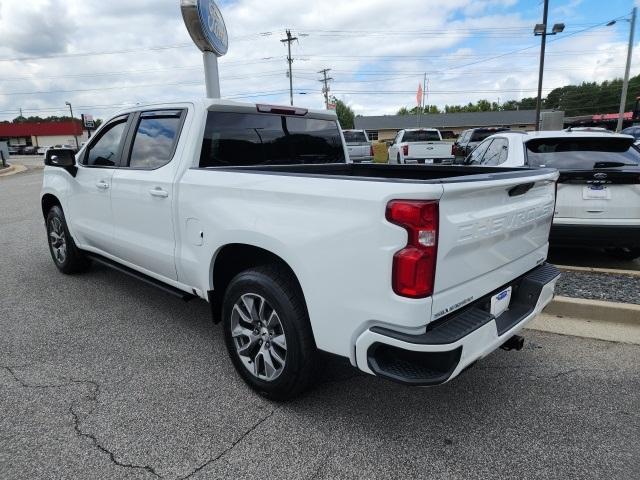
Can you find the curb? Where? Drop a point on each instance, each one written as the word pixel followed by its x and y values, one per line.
pixel 595 310
pixel 617 271
pixel 12 170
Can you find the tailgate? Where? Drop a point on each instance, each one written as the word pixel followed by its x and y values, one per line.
pixel 429 150
pixel 359 149
pixel 491 231
pixel 599 194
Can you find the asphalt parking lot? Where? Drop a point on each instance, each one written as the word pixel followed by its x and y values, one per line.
pixel 104 377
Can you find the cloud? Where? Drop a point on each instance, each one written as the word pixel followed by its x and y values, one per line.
pixel 36 28
pixel 378 51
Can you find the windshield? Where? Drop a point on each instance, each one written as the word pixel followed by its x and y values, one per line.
pixel 420 136
pixel 481 134
pixel 354 136
pixel 582 153
pixel 241 139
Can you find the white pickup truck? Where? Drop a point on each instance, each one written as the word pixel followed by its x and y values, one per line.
pixel 412 274
pixel 420 145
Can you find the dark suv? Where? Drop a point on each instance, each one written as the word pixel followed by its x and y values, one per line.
pixel 469 139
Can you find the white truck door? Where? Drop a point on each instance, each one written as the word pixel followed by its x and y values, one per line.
pixel 143 193
pixel 89 204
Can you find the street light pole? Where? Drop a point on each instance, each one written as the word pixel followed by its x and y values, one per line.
pixel 625 83
pixel 543 43
pixel 541 30
pixel 74 135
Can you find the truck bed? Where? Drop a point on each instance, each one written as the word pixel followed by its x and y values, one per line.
pixel 394 173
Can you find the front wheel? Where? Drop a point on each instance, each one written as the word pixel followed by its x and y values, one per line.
pixel 66 256
pixel 267 332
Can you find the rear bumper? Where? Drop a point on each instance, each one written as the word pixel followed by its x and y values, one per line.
pixel 435 161
pixel 595 235
pixel 456 341
pixel 367 158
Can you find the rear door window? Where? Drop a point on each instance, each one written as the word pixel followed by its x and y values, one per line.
pixel 155 139
pixel 582 153
pixel 242 139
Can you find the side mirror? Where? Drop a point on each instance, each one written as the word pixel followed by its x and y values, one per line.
pixel 63 158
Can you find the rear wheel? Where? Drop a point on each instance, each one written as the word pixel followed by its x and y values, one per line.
pixel 267 332
pixel 66 256
pixel 624 253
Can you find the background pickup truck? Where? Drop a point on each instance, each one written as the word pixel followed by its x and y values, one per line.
pixel 359 147
pixel 411 273
pixel 420 145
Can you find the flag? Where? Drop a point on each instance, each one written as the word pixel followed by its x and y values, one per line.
pixel 419 95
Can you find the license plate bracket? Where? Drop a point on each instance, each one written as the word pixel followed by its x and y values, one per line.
pixel 500 302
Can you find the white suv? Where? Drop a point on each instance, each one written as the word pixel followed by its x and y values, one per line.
pixel 598 200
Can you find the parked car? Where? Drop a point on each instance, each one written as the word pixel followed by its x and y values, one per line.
pixel 469 139
pixel 420 145
pixel 634 132
pixel 598 199
pixel 255 209
pixel 13 150
pixel 359 147
pixel 42 150
pixel 30 150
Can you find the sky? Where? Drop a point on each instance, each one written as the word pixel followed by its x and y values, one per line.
pixel 105 55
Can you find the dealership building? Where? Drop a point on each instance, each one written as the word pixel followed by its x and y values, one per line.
pixel 42 134
pixel 385 127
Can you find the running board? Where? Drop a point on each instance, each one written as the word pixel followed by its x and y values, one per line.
pixel 176 292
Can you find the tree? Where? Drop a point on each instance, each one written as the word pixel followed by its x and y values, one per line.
pixel 344 112
pixel 416 110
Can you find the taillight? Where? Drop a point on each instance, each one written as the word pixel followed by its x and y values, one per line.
pixel 405 150
pixel 414 267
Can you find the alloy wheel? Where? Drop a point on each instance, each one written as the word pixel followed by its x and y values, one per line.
pixel 57 240
pixel 258 336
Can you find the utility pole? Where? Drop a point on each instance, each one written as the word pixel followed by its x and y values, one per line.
pixel 325 89
pixel 288 40
pixel 542 47
pixel 625 83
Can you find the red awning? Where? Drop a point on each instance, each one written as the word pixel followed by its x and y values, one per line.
pixel 40 129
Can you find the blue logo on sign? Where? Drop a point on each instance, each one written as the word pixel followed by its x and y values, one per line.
pixel 213 26
pixel 501 295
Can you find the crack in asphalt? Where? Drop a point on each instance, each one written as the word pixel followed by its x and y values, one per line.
pixel 229 448
pixel 93 397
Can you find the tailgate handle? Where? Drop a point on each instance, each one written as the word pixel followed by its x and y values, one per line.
pixel 520 189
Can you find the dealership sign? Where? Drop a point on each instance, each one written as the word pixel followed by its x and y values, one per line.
pixel 205 25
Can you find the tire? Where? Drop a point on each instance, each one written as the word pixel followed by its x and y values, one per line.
pixel 66 256
pixel 275 372
pixel 624 253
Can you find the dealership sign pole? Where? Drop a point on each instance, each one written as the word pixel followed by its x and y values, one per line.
pixel 207 29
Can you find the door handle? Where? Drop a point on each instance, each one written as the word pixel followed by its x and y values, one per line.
pixel 102 185
pixel 158 192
